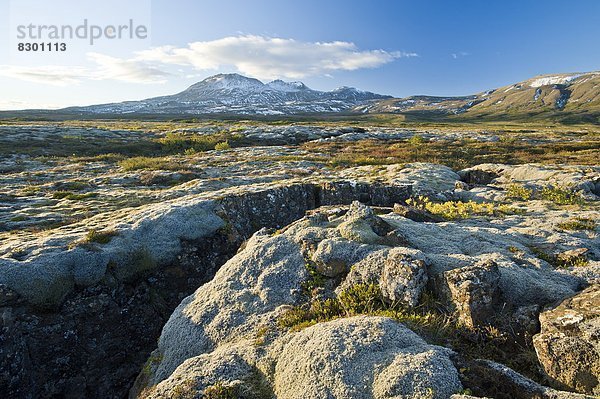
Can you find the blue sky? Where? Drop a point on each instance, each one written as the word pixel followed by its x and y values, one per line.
pixel 391 47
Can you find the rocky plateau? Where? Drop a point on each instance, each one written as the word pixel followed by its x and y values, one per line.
pixel 262 270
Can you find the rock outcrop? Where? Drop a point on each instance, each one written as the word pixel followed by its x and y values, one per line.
pixel 315 261
pixel 568 345
pixel 472 292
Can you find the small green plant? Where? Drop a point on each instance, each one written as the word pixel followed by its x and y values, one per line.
pixel 578 224
pixel 224 145
pixel 561 261
pixel 513 250
pixel 73 185
pixel 150 363
pixel 561 195
pixel 315 279
pixel 187 390
pixel 572 261
pixel 517 191
pixel 100 236
pixel 361 299
pixel 94 236
pixel 507 139
pixel 261 336
pixel 220 391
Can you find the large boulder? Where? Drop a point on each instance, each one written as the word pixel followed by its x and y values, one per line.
pixel 568 346
pixel 585 179
pixel 244 294
pixel 363 357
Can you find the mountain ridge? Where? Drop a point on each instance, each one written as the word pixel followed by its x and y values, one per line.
pixel 238 94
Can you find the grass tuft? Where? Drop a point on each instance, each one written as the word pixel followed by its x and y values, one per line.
pixel 220 391
pixel 149 163
pixel 72 196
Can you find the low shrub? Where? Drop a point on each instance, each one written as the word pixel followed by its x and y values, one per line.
pixel 578 224
pixel 517 191
pixel 416 139
pixel 561 195
pixel 454 210
pixel 224 145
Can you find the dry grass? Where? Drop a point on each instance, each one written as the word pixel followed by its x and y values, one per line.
pixel 457 155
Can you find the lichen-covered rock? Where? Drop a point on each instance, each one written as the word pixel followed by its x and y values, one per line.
pixel 461 396
pixel 334 256
pixel 142 240
pixel 401 274
pixel 568 346
pixel 471 292
pixel 360 224
pixel 224 370
pixel 363 357
pixel 580 178
pixel 524 280
pixel 245 293
pixel 418 215
pixel 424 178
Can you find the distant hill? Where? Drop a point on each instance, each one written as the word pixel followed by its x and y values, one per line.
pixel 563 96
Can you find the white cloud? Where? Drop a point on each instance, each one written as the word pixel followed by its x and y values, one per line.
pixel 269 58
pixel 105 68
pixel 125 70
pixel 256 56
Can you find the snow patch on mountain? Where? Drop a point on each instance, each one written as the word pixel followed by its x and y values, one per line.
pixel 280 85
pixel 553 80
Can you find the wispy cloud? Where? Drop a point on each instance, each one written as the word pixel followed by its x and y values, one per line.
pixel 105 68
pixel 269 58
pixel 257 56
pixel 50 74
pixel 459 54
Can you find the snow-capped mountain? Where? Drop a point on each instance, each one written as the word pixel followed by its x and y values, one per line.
pixel 237 94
